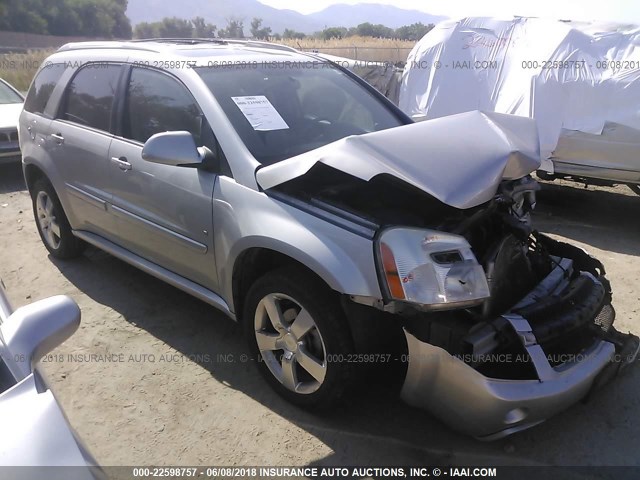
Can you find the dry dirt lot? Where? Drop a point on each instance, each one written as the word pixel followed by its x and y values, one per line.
pixel 173 400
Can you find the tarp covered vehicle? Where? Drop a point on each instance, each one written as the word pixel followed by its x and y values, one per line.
pixel 580 81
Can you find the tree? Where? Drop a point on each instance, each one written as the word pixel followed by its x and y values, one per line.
pixel 175 27
pixel 413 32
pixel 235 29
pixel 147 30
pixel 23 16
pixel 292 34
pixel 333 32
pixel 202 29
pixel 92 18
pixel 61 23
pixel 369 30
pixel 258 31
pixel 95 19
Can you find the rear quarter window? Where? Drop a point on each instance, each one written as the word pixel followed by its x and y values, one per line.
pixel 42 87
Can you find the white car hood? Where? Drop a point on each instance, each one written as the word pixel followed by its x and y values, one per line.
pixel 9 114
pixel 460 159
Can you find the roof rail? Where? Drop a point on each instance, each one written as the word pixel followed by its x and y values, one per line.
pixel 103 45
pixel 144 44
pixel 221 41
pixel 177 40
pixel 263 44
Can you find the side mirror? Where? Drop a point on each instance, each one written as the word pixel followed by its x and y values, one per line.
pixel 172 148
pixel 36 329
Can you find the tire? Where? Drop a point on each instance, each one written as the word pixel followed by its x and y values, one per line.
pixel 301 358
pixel 51 221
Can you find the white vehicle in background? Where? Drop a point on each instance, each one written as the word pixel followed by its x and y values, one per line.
pixel 11 102
pixel 35 430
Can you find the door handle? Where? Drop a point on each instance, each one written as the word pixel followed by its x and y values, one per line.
pixel 58 138
pixel 122 163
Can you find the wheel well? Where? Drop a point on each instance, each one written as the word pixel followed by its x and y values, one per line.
pixel 372 331
pixel 32 174
pixel 252 264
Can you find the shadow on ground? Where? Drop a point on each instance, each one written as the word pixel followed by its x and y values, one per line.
pixel 605 219
pixel 376 428
pixel 11 179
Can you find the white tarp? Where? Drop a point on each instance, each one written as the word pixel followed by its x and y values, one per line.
pixel 569 76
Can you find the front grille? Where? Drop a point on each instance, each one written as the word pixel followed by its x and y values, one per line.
pixel 556 316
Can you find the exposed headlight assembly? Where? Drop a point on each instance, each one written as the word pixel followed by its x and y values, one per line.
pixel 435 269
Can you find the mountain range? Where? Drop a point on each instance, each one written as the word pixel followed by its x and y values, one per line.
pixel 219 11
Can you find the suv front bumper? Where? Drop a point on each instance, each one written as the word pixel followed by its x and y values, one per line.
pixel 491 408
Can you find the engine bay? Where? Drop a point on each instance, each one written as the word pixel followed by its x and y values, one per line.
pixel 558 288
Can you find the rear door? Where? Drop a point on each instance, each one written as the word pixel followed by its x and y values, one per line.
pixel 36 117
pixel 163 213
pixel 79 141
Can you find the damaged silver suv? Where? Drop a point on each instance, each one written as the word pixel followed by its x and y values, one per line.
pixel 288 193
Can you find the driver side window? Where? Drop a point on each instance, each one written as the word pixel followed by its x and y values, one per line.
pixel 155 102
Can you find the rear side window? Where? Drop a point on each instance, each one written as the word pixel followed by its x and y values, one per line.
pixel 42 87
pixel 157 103
pixel 89 96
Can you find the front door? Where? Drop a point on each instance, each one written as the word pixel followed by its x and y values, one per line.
pixel 163 213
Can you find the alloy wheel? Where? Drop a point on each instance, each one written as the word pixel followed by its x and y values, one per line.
pixel 47 220
pixel 290 343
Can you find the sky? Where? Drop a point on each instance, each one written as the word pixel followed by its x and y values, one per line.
pixel 627 11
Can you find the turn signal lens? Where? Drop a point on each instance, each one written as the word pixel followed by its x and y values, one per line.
pixel 391 272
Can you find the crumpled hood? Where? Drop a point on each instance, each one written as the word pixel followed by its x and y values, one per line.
pixel 9 114
pixel 460 159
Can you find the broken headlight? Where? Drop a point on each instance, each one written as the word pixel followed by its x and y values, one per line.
pixel 431 268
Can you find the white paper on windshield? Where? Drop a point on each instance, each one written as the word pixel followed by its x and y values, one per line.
pixel 261 114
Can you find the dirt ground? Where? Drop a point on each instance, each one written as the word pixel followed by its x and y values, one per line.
pixel 178 393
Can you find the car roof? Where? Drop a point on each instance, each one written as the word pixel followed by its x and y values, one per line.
pixel 188 49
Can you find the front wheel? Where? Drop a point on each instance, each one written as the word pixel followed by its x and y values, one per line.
pixel 52 223
pixel 296 329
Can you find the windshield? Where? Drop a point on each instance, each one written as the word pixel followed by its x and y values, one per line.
pixel 283 109
pixel 7 95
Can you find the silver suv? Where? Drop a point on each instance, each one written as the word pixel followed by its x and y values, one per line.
pixel 285 191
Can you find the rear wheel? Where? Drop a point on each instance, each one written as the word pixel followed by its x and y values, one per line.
pixel 296 328
pixel 52 223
